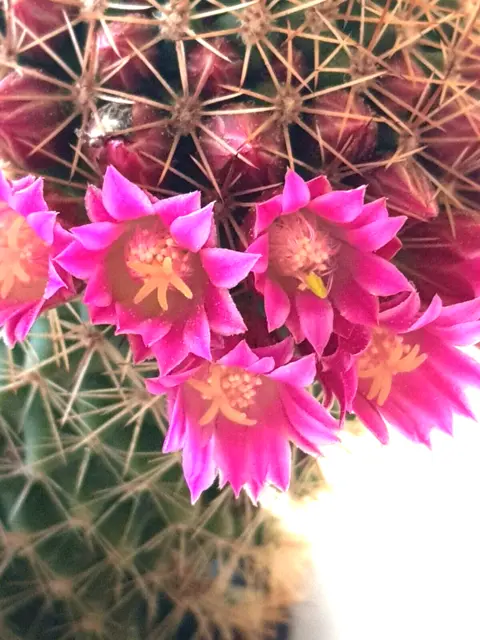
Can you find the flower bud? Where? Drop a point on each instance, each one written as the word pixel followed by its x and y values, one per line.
pixel 132 70
pixel 456 139
pixel 345 123
pixel 41 17
pixel 137 154
pixel 237 157
pixel 408 190
pixel 30 110
pixel 211 71
pixel 405 81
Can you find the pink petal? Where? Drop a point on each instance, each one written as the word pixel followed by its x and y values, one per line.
pixel 259 247
pixel 54 283
pixel 94 205
pixel 266 213
pixel 354 303
pixel 459 313
pixel 316 319
pixel 376 275
pixel 175 437
pixel 240 356
pixel 226 268
pixel 169 209
pixel 339 206
pixel 140 351
pixel 262 366
pixel 432 312
pixel 193 230
pixel 43 223
pixel 198 462
pixel 122 199
pixel 318 187
pixel 5 188
pixel 154 329
pixel 98 290
pixel 375 211
pixel 460 335
pixel 29 199
pixel 197 334
pixel 277 304
pixel 223 316
pixel 102 315
pixel 400 314
pixel 171 350
pixel 280 461
pixel 375 235
pixel 98 235
pixel 311 407
pixel 281 352
pixel 296 193
pixel 299 373
pixel 77 261
pixel 371 418
pixel 308 433
pixel 18 326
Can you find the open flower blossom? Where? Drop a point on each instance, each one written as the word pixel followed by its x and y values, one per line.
pixel 31 279
pixel 235 417
pixel 412 375
pixel 153 270
pixel 317 249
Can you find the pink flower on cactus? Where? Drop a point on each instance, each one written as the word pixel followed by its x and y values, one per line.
pixel 236 416
pixel 412 375
pixel 153 270
pixel 31 279
pixel 317 249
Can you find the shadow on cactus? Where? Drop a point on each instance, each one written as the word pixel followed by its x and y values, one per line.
pixel 227 229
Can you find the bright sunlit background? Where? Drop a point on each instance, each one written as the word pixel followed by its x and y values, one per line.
pixel 396 542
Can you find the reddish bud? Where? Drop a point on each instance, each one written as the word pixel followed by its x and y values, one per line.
pixel 408 190
pixel 137 154
pixel 30 110
pixel 345 123
pixel 440 261
pixel 41 17
pixel 210 71
pixel 70 207
pixel 456 139
pixel 468 59
pixel 238 158
pixel 405 81
pixel 116 52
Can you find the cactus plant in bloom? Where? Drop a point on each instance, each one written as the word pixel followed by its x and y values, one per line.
pixel 226 228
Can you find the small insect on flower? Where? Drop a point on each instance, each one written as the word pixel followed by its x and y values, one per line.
pixel 317 250
pixel 236 416
pixel 153 270
pixel 31 279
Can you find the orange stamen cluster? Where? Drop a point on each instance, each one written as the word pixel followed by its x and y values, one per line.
pixel 300 249
pixel 23 257
pixel 387 356
pixel 231 391
pixel 154 257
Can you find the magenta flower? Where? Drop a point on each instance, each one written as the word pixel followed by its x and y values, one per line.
pixel 412 375
pixel 317 248
pixel 236 416
pixel 31 279
pixel 153 270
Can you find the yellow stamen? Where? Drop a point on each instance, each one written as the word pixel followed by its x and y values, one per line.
pixel 386 357
pixel 316 285
pixel 158 276
pixel 226 388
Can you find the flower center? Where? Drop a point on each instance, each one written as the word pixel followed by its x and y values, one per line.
pixel 23 258
pixel 153 256
pixel 300 249
pixel 231 390
pixel 387 356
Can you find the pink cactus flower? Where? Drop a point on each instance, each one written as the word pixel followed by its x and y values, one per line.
pixel 236 416
pixel 412 375
pixel 153 270
pixel 317 249
pixel 31 280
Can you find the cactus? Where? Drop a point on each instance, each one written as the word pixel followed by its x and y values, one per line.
pixel 99 537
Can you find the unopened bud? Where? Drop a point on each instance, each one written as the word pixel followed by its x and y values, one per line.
pixel 211 71
pixel 404 87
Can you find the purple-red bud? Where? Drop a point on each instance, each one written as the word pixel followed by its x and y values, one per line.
pixel 408 190
pixel 405 81
pixel 345 123
pixel 212 72
pixel 119 138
